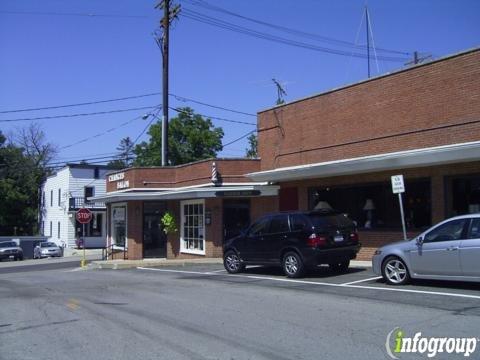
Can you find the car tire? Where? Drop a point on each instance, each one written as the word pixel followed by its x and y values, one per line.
pixel 292 264
pixel 395 271
pixel 339 267
pixel 232 262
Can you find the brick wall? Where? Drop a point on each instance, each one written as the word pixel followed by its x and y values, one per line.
pixel 372 240
pixel 135 230
pixel 386 114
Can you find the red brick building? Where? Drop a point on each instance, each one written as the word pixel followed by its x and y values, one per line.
pixel 338 148
pixel 210 200
pixel 342 147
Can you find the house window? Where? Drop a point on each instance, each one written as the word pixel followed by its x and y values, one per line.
pixel 58 230
pixel 89 192
pixel 93 228
pixel 44 202
pixel 51 226
pixel 119 225
pixel 59 197
pixel 43 228
pixel 51 198
pixel 192 238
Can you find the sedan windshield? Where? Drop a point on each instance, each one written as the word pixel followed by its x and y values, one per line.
pixel 48 244
pixel 8 244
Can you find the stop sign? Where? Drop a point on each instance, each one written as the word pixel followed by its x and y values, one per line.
pixel 84 216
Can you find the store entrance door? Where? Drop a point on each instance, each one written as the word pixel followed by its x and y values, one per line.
pixel 154 238
pixel 236 217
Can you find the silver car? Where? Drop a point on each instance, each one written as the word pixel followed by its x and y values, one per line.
pixel 10 250
pixel 46 249
pixel 449 250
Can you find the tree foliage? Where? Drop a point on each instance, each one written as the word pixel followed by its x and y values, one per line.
pixel 126 156
pixel 23 168
pixel 190 138
pixel 251 151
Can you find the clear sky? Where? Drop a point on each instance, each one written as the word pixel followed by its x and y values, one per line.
pixel 58 52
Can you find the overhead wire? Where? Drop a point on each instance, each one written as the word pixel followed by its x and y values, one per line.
pixel 77 115
pixel 194 15
pixel 312 36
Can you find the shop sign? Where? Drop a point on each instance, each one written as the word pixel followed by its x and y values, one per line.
pixel 123 184
pixel 116 177
pixel 398 185
pixel 240 193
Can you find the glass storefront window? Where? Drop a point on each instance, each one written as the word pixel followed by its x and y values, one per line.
pixel 193 227
pixel 374 206
pixel 463 195
pixel 119 225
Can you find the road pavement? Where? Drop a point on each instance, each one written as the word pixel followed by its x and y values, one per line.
pixel 200 312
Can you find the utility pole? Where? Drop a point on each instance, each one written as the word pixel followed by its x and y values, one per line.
pixel 169 14
pixel 368 41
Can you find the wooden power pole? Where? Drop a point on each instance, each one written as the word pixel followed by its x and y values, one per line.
pixel 169 14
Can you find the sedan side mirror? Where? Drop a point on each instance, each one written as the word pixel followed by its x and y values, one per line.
pixel 420 240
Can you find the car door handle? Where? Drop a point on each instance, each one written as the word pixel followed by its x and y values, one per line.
pixel 452 248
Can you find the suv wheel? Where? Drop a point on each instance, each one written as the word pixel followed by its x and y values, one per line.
pixel 339 266
pixel 394 271
pixel 293 265
pixel 232 262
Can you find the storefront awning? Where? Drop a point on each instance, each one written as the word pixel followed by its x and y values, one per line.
pixel 440 155
pixel 189 193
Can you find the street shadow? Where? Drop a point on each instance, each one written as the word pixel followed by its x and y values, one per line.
pixel 319 272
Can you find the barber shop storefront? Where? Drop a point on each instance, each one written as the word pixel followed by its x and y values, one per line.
pixel 184 211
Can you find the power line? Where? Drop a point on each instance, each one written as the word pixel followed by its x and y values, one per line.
pixel 215 117
pixel 91 15
pixel 288 30
pixel 238 139
pixel 194 15
pixel 184 99
pixel 77 115
pixel 81 104
pixel 177 97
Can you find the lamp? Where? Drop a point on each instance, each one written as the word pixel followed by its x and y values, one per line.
pixel 369 205
pixel 323 205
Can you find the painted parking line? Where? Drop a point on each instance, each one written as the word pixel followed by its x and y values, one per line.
pixel 296 281
pixel 362 280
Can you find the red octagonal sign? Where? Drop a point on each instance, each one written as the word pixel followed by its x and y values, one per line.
pixel 84 216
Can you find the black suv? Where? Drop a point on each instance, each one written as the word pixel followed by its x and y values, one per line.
pixel 297 241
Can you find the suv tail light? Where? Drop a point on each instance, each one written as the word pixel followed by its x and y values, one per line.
pixel 315 240
pixel 354 236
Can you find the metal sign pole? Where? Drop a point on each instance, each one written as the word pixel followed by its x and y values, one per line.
pixel 403 216
pixel 84 260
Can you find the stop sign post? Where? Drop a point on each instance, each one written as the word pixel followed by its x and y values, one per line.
pixel 83 216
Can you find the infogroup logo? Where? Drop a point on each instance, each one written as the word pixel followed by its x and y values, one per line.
pixel 397 343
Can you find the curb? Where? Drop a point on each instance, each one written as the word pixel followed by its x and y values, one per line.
pixel 131 264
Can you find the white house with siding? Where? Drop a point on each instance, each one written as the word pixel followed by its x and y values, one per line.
pixel 63 194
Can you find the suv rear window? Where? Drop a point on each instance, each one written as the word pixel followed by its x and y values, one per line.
pixel 331 220
pixel 279 224
pixel 8 244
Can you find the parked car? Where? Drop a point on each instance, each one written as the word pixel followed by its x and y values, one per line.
pixel 47 249
pixel 297 241
pixel 449 250
pixel 10 250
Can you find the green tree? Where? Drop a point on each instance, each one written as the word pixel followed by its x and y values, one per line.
pixel 190 138
pixel 23 168
pixel 126 156
pixel 251 151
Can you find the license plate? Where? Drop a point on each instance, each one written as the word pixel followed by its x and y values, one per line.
pixel 338 238
pixel 11 256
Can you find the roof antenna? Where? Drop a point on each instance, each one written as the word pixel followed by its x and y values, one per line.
pixel 280 92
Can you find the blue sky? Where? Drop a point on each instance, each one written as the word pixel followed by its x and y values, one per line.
pixel 53 55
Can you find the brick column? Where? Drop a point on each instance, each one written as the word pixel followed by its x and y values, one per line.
pixel 135 230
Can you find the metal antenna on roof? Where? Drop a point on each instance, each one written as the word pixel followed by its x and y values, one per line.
pixel 280 92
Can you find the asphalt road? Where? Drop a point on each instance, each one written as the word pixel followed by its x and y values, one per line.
pixel 200 312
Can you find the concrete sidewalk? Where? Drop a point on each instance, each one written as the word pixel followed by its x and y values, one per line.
pixel 129 264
